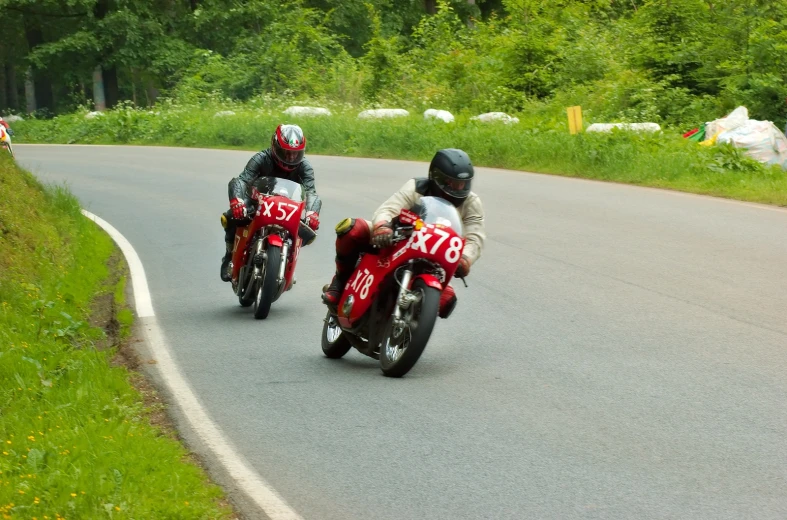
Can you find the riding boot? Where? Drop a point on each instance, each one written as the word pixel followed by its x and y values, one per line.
pixel 226 273
pixel 332 293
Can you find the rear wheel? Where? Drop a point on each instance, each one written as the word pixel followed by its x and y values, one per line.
pixel 268 286
pixel 404 342
pixel 334 341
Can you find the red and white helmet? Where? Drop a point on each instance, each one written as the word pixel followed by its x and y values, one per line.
pixel 288 146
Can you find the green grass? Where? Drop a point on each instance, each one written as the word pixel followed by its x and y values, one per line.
pixel 124 316
pixel 539 143
pixel 75 439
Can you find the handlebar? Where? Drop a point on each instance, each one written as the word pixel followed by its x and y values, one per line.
pixel 401 233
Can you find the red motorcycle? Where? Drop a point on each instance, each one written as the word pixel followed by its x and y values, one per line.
pixel 266 250
pixel 390 303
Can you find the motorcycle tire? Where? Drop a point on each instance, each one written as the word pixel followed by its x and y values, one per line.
pixel 267 287
pixel 334 345
pixel 246 298
pixel 421 320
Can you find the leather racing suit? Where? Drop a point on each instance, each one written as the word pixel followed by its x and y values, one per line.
pixel 263 165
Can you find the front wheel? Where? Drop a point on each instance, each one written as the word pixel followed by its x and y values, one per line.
pixel 334 342
pixel 404 342
pixel 268 286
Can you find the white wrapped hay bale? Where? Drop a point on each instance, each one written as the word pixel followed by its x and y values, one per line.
pixel 490 117
pixel 381 113
pixel 307 111
pixel 224 113
pixel 731 121
pixel 11 118
pixel 93 115
pixel 443 115
pixel 761 140
pixel 632 127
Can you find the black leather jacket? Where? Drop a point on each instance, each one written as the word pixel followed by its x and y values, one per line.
pixel 263 165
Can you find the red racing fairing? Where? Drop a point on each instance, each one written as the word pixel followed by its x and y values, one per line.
pixel 273 210
pixel 266 250
pixel 436 243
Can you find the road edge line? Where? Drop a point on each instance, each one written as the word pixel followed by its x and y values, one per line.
pixel 245 478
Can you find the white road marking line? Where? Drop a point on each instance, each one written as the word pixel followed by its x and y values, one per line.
pixel 138 279
pixel 251 483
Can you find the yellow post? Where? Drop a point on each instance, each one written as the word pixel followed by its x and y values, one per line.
pixel 574 119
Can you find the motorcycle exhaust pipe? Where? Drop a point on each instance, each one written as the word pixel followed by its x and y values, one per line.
pixel 255 274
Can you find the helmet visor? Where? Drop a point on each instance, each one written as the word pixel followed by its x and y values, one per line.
pixel 288 157
pixel 459 188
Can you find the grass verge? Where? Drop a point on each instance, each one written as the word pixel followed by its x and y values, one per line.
pixel 76 437
pixel 540 143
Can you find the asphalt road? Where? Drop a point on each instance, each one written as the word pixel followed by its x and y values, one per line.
pixel 620 352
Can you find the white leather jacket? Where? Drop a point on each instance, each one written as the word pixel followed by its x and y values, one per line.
pixel 471 211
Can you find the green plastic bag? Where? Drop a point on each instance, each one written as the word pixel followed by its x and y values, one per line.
pixel 699 136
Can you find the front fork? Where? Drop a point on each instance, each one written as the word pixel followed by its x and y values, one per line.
pixel 260 258
pixel 404 300
pixel 285 247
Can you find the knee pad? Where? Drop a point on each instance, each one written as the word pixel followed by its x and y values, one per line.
pixel 343 227
pixel 224 221
pixel 354 235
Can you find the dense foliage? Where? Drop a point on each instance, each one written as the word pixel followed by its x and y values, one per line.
pixel 669 61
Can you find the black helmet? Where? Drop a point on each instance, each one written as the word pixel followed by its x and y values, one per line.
pixel 451 173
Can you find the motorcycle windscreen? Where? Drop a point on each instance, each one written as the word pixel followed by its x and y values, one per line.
pixel 277 186
pixel 434 210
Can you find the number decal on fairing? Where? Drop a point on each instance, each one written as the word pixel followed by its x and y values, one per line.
pixel 363 281
pixel 420 242
pixel 283 214
pixel 453 252
pixel 443 235
pixel 265 209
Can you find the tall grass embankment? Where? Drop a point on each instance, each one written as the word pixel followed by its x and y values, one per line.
pixel 539 143
pixel 76 439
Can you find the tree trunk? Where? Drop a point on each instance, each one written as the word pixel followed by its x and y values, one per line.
pixel 45 98
pixel 30 91
pixel 193 5
pixel 470 23
pixel 134 92
pixel 12 92
pixel 151 92
pixel 41 84
pixel 430 6
pixel 99 101
pixel 111 86
pixel 3 90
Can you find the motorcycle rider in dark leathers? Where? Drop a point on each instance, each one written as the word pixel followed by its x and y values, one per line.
pixel 284 159
pixel 450 177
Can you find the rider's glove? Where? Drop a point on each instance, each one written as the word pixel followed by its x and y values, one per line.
pixel 312 220
pixel 382 235
pixel 463 269
pixel 237 206
pixel 10 132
